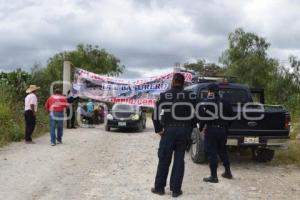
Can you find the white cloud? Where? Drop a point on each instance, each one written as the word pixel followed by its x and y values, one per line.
pixel 143 34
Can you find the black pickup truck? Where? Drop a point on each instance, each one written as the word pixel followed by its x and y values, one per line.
pixel 263 135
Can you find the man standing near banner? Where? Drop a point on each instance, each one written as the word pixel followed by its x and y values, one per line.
pixel 173 120
pixel 71 110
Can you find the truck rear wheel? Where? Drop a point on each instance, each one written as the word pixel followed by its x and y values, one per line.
pixel 262 154
pixel 197 148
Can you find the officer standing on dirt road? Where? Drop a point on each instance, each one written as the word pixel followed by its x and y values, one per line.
pixel 215 124
pixel 173 120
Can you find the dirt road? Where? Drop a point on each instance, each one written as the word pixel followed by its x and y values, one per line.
pixel 94 164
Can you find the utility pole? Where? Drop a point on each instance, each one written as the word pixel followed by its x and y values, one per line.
pixel 66 77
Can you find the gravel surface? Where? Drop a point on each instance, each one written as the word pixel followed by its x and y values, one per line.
pixel 94 164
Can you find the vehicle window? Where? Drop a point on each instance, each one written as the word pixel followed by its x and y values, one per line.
pixel 256 97
pixel 231 95
pixel 234 95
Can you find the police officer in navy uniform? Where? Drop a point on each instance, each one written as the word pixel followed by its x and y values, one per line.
pixel 215 127
pixel 174 123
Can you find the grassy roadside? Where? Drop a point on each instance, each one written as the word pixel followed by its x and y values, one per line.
pixel 12 126
pixel 291 155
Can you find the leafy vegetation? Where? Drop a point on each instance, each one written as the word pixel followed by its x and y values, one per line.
pixel 291 155
pixel 12 91
pixel 88 57
pixel 247 52
pixel 13 85
pixel 205 69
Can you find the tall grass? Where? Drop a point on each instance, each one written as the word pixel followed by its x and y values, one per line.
pixel 291 155
pixel 12 124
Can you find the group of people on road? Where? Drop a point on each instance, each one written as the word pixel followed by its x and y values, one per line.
pixel 174 118
pixel 56 105
pixel 93 114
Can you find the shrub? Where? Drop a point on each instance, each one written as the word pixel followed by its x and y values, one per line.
pixel 290 155
pixel 16 132
pixel 295 128
pixel 5 113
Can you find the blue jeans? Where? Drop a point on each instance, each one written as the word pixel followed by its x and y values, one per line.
pixel 56 121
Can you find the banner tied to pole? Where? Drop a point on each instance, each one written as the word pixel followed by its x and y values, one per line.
pixel 143 92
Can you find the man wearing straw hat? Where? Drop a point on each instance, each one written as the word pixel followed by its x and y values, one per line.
pixel 30 112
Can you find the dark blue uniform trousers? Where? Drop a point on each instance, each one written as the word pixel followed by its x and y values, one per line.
pixel 214 145
pixel 173 142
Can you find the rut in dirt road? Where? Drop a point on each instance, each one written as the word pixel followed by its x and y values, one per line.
pixel 94 164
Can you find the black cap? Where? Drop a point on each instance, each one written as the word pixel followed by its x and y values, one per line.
pixel 213 87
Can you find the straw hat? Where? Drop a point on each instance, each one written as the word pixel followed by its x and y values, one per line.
pixel 32 88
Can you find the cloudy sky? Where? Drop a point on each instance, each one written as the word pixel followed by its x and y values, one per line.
pixel 149 36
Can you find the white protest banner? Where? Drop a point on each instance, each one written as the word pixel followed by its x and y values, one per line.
pixel 143 92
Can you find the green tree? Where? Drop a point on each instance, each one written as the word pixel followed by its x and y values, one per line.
pixel 205 69
pixel 41 77
pixel 86 56
pixel 284 88
pixel 281 87
pixel 294 72
pixel 246 58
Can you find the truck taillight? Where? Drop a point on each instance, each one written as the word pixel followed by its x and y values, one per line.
pixel 287 122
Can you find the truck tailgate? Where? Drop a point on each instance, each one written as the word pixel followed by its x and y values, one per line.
pixel 272 124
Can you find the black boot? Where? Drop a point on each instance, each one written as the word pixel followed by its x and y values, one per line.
pixel 177 194
pixel 227 174
pixel 214 176
pixel 211 179
pixel 156 191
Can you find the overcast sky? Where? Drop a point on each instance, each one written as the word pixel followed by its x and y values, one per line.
pixel 149 36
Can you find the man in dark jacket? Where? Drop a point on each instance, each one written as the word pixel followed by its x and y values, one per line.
pixel 216 115
pixel 173 120
pixel 71 113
